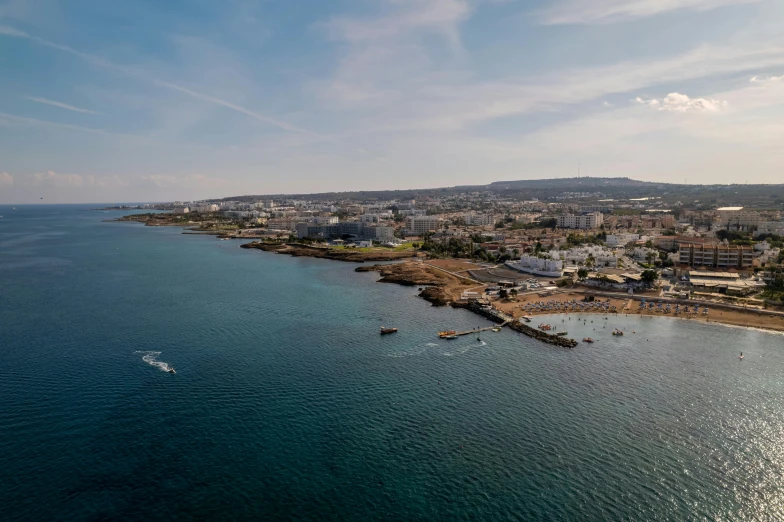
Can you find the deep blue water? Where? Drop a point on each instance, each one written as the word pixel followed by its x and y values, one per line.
pixel 287 404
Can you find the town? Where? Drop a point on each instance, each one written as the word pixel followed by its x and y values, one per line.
pixel 512 240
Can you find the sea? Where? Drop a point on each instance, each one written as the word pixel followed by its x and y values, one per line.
pixel 287 404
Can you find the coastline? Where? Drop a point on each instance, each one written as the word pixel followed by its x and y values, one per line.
pixel 443 288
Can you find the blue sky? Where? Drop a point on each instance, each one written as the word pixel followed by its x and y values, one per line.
pixel 105 101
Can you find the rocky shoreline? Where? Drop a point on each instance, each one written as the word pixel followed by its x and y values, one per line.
pixel 348 255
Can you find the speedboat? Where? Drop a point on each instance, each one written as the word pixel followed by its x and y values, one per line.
pixel 617 332
pixel 171 370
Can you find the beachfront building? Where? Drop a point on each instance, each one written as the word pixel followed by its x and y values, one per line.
pixel 581 221
pixel 418 225
pixel 715 255
pixel 723 283
pixel 353 229
pixel 544 266
pixel 181 210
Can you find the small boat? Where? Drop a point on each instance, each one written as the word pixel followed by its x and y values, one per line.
pixel 527 318
pixel 617 332
pixel 560 333
pixel 171 370
pixel 388 330
pixel 587 340
pixel 496 329
pixel 447 333
pixel 450 337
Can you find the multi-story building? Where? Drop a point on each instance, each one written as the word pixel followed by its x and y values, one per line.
pixel 771 227
pixel 614 240
pixel 664 242
pixel 715 255
pixel 355 229
pixel 582 221
pixel 479 219
pixel 737 218
pixel 418 225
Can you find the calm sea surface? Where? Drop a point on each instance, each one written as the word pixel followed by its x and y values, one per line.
pixel 287 404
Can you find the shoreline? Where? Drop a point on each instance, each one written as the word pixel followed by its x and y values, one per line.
pixel 444 288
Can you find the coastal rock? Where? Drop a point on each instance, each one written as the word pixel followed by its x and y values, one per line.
pixel 435 295
pixel 354 256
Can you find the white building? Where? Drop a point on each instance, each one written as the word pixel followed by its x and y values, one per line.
pixel 615 240
pixel 181 210
pixel 736 217
pixel 582 222
pixel 325 220
pixel 381 234
pixel 479 219
pixel 537 265
pixel 771 227
pixel 418 225
pixel 596 255
pixel 205 209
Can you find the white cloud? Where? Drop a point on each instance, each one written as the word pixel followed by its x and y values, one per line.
pixel 6 180
pixel 51 178
pixel 59 104
pixel 195 181
pixel 10 31
pixel 677 102
pixel 611 11
pixel 757 79
pixel 428 15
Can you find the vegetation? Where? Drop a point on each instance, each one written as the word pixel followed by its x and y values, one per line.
pixel 649 276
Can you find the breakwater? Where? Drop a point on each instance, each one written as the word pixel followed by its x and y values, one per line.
pixel 500 317
pixel 539 335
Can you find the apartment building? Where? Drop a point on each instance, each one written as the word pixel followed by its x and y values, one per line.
pixel 479 219
pixel 582 221
pixel 418 225
pixel 737 218
pixel 348 228
pixel 715 255
pixel 614 240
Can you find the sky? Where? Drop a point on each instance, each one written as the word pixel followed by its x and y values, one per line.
pixel 144 100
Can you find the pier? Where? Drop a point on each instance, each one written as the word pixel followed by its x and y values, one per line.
pixel 477 330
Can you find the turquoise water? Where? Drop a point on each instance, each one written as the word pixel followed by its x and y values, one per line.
pixel 287 404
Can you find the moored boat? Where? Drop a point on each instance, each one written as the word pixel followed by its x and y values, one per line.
pixel 447 333
pixel 587 340
pixel 388 330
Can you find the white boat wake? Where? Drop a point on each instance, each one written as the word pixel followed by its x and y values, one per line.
pixel 151 359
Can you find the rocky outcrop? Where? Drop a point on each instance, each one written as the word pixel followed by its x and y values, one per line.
pixel 354 256
pixel 435 295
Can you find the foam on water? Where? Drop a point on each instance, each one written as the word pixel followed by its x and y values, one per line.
pixel 151 358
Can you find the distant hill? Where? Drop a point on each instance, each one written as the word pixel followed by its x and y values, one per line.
pixel 757 196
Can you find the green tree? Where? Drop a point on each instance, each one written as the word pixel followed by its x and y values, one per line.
pixel 649 276
pixel 582 273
